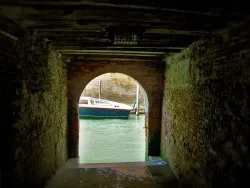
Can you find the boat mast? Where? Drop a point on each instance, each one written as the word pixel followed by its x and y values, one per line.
pixel 137 99
pixel 100 88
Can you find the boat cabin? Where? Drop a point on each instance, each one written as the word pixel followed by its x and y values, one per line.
pixel 93 101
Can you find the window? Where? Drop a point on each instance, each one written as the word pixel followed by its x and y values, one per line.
pixel 101 102
pixel 83 101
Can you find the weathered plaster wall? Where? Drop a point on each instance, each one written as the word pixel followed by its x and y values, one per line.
pixel 205 123
pixel 34 82
pixel 148 73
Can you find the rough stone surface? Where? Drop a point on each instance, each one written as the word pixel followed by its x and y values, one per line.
pixel 116 87
pixel 205 122
pixel 34 81
pixel 131 175
pixel 150 76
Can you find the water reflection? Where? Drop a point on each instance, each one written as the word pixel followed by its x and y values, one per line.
pixel 112 140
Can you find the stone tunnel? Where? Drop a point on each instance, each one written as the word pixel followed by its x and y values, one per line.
pixel 192 62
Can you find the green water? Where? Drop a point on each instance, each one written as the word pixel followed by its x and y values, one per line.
pixel 112 140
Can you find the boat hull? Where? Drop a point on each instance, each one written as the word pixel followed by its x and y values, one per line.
pixel 91 112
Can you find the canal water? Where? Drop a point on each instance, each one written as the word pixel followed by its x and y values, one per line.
pixel 112 140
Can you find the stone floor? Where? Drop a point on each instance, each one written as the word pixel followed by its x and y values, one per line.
pixel 151 174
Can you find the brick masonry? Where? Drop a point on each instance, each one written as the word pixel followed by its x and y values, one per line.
pixel 148 74
pixel 115 87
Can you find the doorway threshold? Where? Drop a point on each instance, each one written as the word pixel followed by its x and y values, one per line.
pixel 151 161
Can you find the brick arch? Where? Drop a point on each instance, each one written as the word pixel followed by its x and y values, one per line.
pixel 86 81
pixel 144 91
pixel 149 74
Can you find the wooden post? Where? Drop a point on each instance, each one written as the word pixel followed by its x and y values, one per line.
pixel 137 99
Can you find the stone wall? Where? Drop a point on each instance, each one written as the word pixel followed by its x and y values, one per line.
pixel 34 84
pixel 205 122
pixel 115 87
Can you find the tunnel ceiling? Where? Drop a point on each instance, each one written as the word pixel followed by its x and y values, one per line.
pixel 114 28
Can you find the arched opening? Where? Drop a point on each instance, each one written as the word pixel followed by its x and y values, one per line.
pixel 105 137
pixel 81 72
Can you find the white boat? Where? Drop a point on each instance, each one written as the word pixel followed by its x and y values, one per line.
pixel 90 107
